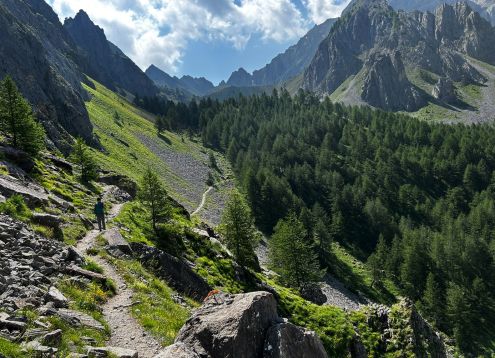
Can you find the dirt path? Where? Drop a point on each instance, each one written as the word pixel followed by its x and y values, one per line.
pixel 126 332
pixel 203 201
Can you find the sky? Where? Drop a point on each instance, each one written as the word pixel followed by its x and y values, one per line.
pixel 203 38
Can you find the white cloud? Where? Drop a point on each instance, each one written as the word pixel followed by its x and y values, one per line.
pixel 159 31
pixel 321 10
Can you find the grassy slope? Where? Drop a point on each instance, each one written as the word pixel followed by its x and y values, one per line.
pixel 132 144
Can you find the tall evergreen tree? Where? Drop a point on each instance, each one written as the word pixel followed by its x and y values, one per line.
pixel 239 231
pixel 17 121
pixel 292 256
pixel 154 197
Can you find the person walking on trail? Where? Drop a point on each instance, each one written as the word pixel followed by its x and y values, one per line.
pixel 100 214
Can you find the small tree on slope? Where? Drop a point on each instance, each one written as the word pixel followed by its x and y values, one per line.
pixel 16 119
pixel 81 156
pixel 154 197
pixel 239 230
pixel 292 255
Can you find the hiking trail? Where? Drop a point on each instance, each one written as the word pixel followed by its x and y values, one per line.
pixel 203 201
pixel 126 332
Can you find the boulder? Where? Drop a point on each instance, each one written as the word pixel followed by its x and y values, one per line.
pixel 33 194
pixel 60 163
pixel 230 325
pixel 313 293
pixel 19 157
pixel 177 272
pixel 79 319
pixel 52 339
pixel 55 296
pixel 286 340
pixel 117 352
pixel 116 242
pixel 120 181
pixel 177 350
pixel 93 276
pixel 48 220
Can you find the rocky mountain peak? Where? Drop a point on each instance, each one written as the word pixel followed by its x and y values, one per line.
pixel 359 47
pixel 240 78
pixel 105 62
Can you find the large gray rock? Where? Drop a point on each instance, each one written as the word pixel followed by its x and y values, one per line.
pixel 242 326
pixel 286 340
pixel 177 272
pixel 49 220
pixel 55 296
pixel 177 350
pixel 116 352
pixel 116 243
pixel 33 194
pixel 230 326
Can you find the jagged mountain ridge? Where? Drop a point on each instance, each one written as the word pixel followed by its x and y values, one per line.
pixel 485 7
pixel 194 86
pixel 40 56
pixel 285 65
pixel 104 61
pixel 371 30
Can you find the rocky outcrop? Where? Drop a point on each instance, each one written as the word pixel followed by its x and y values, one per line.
pixel 365 43
pixel 242 326
pixel 386 84
pixel 177 272
pixel 444 91
pixel 117 245
pixel 121 181
pixel 37 52
pixel 105 62
pixel 285 340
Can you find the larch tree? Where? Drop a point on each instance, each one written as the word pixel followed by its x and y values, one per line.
pixel 154 197
pixel 239 231
pixel 17 121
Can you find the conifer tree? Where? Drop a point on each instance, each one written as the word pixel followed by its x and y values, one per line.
pixel 17 121
pixel 81 156
pixel 376 262
pixel 292 256
pixel 239 230
pixel 154 197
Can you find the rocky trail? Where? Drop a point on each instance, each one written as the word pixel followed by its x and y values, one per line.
pixel 203 201
pixel 126 332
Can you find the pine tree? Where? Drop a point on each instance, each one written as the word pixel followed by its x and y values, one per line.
pixel 16 119
pixel 433 301
pixel 239 230
pixel 81 156
pixel 160 124
pixel 376 262
pixel 292 256
pixel 154 197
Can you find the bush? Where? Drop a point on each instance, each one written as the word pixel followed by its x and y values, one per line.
pixel 16 208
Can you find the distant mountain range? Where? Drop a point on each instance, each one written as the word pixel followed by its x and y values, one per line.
pixel 193 86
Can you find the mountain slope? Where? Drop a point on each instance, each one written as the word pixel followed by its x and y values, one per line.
pixel 377 47
pixel 285 65
pixel 194 86
pixel 104 61
pixel 37 52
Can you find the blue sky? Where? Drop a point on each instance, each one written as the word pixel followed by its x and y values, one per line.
pixel 209 38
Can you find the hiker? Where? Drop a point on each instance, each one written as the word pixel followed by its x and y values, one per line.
pixel 100 214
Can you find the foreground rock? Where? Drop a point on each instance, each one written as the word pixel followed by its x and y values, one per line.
pixel 242 326
pixel 286 340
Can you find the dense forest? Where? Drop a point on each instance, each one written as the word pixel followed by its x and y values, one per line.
pixel 414 199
